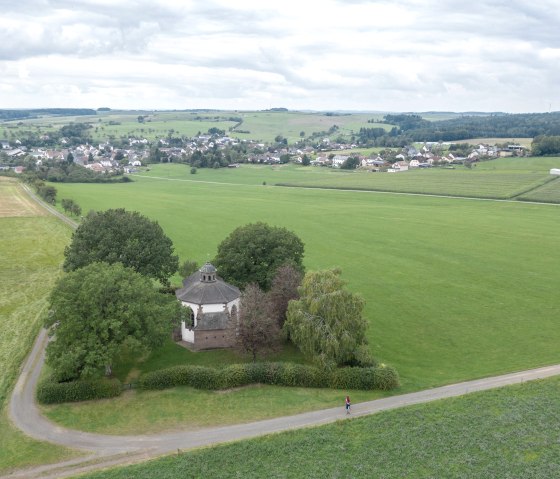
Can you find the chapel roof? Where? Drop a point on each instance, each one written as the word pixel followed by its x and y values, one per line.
pixel 198 288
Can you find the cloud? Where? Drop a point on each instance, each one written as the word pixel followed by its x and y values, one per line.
pixel 382 55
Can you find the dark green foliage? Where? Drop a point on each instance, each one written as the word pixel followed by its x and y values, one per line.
pixel 187 268
pixel 546 145
pixel 351 163
pixel 253 253
pixel 98 312
pixel 48 193
pixel 280 374
pixel 52 392
pixel 125 237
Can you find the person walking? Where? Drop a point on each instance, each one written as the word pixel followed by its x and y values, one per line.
pixel 347 404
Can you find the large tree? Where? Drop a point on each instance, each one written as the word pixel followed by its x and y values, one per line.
pixel 326 323
pixel 257 329
pixel 284 288
pixel 100 309
pixel 120 236
pixel 252 254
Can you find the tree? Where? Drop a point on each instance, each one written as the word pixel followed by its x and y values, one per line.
pixel 258 330
pixel 97 311
pixel 350 163
pixel 187 268
pixel 122 236
pixel 284 289
pixel 305 161
pixel 76 209
pixel 326 323
pixel 252 254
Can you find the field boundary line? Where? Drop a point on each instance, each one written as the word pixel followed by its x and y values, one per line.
pixel 350 190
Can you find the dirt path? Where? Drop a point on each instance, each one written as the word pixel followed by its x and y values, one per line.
pixel 106 450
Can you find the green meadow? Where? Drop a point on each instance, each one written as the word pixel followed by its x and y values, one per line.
pixel 454 288
pixel 500 179
pixel 30 258
pixel 508 433
pixel 262 125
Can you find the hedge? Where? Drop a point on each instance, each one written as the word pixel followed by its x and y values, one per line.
pixel 51 392
pixel 281 374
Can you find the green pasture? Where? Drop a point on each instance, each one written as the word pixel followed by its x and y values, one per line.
pixel 508 433
pixel 454 288
pixel 263 125
pixel 501 179
pixel 30 259
pixel 143 412
pixel 549 192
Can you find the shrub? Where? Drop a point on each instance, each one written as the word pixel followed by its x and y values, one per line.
pixel 386 378
pixel 52 392
pixel 280 374
pixel 236 375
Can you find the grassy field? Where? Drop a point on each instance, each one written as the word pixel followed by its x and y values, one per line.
pixel 492 141
pixel 454 288
pixel 501 179
pixel 263 125
pixel 549 193
pixel 507 433
pixel 30 257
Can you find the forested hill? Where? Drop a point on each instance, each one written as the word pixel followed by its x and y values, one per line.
pixel 34 113
pixel 499 125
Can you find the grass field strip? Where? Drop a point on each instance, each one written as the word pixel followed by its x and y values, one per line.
pixel 350 190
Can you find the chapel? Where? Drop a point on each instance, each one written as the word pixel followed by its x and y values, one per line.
pixel 214 305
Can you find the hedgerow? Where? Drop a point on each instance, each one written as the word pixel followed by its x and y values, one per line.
pixel 280 374
pixel 52 392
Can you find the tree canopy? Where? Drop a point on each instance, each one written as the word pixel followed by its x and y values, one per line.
pixel 100 309
pixel 258 330
pixel 326 323
pixel 253 253
pixel 126 237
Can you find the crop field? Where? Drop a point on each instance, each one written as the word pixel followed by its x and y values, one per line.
pixel 549 193
pixel 454 288
pixel 492 141
pixel 500 179
pixel 30 259
pixel 510 432
pixel 263 125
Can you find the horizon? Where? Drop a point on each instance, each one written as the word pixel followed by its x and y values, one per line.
pixel 354 55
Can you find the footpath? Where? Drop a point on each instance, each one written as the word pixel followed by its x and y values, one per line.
pixel 103 451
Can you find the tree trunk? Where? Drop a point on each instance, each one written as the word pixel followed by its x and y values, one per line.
pixel 108 370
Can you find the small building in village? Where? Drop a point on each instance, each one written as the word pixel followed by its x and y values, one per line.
pixel 214 306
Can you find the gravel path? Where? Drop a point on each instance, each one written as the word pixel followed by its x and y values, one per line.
pixel 107 450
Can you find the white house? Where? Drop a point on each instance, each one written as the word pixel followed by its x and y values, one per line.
pixel 555 171
pixel 214 306
pixel 338 160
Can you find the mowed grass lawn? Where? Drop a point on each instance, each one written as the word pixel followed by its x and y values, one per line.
pixel 454 289
pixel 505 433
pixel 30 257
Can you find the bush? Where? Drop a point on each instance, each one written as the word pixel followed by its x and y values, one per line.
pixel 280 374
pixel 52 392
pixel 385 378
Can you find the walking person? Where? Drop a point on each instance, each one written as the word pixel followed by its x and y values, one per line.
pixel 347 404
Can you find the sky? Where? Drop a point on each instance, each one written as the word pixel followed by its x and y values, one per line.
pixel 401 55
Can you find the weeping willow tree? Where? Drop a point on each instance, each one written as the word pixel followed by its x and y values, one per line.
pixel 326 323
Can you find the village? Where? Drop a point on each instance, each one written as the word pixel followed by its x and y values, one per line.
pixel 106 158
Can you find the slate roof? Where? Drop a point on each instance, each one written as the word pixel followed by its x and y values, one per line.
pixel 212 321
pixel 196 291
